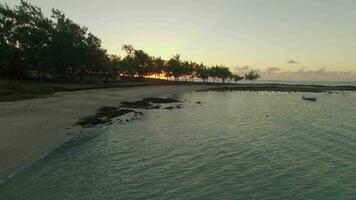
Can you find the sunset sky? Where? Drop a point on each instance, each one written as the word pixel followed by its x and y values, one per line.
pixel 285 39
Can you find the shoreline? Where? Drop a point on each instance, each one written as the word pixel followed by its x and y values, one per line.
pixel 34 127
pixel 25 90
pixel 281 88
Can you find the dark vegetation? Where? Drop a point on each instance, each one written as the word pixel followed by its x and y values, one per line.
pixel 56 49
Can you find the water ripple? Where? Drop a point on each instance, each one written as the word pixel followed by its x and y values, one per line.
pixel 225 148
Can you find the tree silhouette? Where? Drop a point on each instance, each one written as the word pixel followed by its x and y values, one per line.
pixel 33 46
pixel 202 72
pixel 252 75
pixel 174 66
pixel 237 77
pixel 158 66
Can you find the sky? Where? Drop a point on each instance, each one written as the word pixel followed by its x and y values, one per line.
pixel 283 39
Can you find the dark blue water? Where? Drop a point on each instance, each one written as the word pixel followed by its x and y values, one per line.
pixel 225 148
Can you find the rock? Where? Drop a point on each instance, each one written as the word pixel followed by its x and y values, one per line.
pixel 148 103
pixel 104 116
pixel 137 104
pixel 161 100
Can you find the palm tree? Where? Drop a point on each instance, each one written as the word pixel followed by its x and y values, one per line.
pixel 129 49
pixel 174 66
pixel 252 75
pixel 158 66
pixel 143 62
pixel 220 72
pixel 192 70
pixel 237 77
pixel 223 73
pixel 202 72
pixel 213 72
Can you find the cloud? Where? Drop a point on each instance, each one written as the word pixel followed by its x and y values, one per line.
pixel 292 62
pixel 272 70
pixel 242 70
pixel 275 73
pixel 302 73
pixel 247 67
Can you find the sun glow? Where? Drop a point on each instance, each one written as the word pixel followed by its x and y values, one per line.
pixel 157 76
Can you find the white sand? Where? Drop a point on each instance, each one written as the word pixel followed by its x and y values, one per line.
pixel 30 128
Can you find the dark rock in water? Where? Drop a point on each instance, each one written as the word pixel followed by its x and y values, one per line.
pixel 104 116
pixel 161 100
pixel 198 102
pixel 169 107
pixel 107 109
pixel 148 103
pixel 111 112
pixel 173 107
pixel 92 120
pixel 107 113
pixel 137 104
pixel 156 107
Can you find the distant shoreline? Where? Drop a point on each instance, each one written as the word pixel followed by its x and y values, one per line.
pixel 264 87
pixel 23 90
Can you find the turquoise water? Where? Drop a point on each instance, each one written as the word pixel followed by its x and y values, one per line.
pixel 225 148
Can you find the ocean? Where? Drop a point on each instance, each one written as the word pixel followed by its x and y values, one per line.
pixel 297 82
pixel 234 145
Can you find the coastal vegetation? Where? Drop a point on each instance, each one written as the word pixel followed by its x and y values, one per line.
pixel 55 48
pixel 252 76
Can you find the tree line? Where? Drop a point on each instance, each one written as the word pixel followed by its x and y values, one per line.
pixel 33 46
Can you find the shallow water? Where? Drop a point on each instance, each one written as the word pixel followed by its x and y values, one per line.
pixel 225 148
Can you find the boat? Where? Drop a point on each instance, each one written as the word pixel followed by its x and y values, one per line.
pixel 309 98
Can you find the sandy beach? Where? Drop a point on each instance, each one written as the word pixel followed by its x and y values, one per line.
pixel 33 127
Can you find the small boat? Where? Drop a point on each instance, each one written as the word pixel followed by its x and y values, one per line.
pixel 308 98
